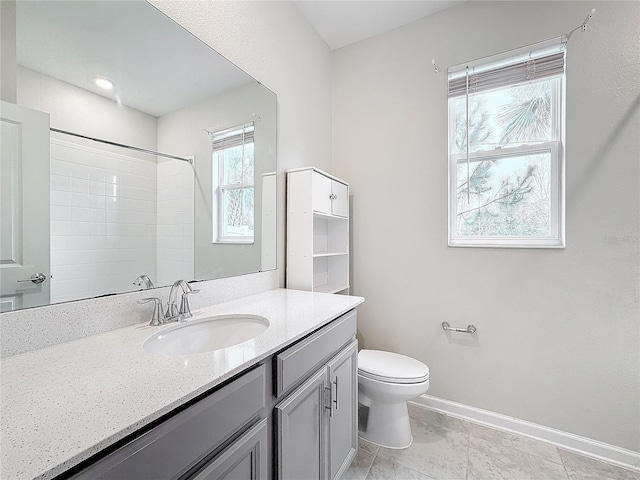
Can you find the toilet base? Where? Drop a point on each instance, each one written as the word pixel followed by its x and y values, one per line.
pixel 386 424
pixel 385 446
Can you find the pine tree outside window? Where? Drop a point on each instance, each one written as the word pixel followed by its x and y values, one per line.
pixel 233 184
pixel 506 155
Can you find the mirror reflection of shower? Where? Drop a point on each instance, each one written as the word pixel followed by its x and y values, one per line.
pixel 116 212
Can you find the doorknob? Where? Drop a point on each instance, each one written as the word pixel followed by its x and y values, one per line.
pixel 35 278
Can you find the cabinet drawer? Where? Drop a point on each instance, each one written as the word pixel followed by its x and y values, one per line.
pixel 297 362
pixel 179 443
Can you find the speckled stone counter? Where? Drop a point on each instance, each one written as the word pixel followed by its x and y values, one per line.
pixel 62 404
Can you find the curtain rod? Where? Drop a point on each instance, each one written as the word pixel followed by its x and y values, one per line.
pixel 137 149
pixel 565 37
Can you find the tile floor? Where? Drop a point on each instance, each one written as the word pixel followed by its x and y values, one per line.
pixel 447 448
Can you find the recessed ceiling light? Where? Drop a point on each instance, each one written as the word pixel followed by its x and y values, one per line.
pixel 103 83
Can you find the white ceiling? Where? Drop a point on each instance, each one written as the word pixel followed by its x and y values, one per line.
pixel 156 65
pixel 342 23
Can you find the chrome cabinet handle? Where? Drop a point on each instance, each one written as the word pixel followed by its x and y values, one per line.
pixel 336 400
pixel 330 406
pixel 333 196
pixel 35 278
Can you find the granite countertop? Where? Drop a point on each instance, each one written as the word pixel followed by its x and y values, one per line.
pixel 64 403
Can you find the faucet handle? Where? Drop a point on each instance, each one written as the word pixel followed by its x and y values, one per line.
pixel 158 317
pixel 185 311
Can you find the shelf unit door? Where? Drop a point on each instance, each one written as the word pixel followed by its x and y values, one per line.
pixel 321 193
pixel 340 203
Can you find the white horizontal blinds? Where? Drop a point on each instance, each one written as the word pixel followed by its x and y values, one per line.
pixel 523 68
pixel 233 137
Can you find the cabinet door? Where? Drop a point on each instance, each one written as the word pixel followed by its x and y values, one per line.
pixel 321 192
pixel 343 427
pixel 340 199
pixel 245 459
pixel 301 423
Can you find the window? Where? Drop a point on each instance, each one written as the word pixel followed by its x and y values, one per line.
pixel 233 173
pixel 506 133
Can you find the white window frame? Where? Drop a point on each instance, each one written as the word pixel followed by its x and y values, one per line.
pixel 554 240
pixel 555 148
pixel 219 226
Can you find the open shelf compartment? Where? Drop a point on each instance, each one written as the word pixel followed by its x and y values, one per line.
pixel 330 235
pixel 330 273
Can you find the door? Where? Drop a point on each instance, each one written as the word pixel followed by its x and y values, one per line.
pixel 321 192
pixel 24 206
pixel 339 199
pixel 245 459
pixel 301 423
pixel 343 426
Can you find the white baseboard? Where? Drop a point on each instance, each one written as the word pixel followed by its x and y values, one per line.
pixel 568 441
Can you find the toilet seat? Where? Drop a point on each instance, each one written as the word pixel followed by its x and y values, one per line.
pixel 391 367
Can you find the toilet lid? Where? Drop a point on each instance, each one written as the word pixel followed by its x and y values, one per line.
pixel 391 367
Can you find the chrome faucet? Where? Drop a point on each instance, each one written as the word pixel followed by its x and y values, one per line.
pixel 144 280
pixel 173 312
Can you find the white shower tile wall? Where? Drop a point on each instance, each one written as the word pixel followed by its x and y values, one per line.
pixel 175 223
pixel 103 221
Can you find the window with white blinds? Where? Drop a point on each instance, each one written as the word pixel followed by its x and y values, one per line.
pixel 233 137
pixel 528 68
pixel 506 154
pixel 233 182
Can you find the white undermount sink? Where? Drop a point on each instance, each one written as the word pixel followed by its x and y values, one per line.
pixel 207 335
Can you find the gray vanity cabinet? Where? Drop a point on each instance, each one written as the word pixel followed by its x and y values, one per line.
pixel 246 459
pixel 317 421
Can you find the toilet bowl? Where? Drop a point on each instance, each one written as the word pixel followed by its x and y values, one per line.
pixel 386 381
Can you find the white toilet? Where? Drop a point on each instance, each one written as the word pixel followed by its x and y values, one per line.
pixel 386 381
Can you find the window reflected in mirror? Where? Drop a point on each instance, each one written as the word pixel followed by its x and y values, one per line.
pixel 234 168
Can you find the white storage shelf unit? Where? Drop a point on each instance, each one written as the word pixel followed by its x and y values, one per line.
pixel 317 231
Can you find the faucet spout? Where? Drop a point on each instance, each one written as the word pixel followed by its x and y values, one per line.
pixel 173 312
pixel 144 280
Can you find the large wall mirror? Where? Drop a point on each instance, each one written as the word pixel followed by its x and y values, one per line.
pixel 133 155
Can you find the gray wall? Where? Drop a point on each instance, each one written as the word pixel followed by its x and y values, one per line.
pixel 558 338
